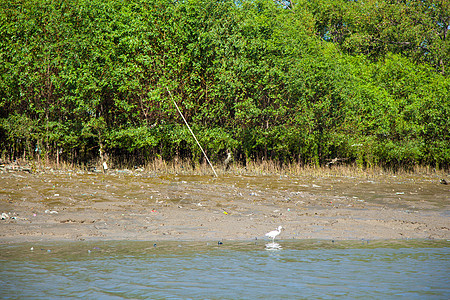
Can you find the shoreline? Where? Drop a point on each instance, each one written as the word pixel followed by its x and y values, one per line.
pixel 66 206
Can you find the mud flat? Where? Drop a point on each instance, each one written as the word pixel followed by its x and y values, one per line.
pixel 125 205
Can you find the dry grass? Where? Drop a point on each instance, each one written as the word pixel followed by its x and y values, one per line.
pixel 265 168
pixel 252 168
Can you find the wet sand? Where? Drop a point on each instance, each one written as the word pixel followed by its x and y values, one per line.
pixel 125 205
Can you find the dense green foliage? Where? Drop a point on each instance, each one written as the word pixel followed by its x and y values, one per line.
pixel 302 81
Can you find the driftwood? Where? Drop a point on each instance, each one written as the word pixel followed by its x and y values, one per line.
pixel 335 161
pixel 228 160
pixel 14 167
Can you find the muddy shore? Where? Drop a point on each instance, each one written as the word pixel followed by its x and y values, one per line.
pixel 135 205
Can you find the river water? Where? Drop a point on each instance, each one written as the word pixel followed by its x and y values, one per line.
pixel 295 269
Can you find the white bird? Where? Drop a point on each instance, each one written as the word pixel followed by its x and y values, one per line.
pixel 274 233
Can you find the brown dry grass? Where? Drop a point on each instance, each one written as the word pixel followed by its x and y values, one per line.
pixel 252 168
pixel 265 168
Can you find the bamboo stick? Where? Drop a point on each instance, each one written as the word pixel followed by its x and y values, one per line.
pixel 179 111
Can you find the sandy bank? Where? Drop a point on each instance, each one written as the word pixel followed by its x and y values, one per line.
pixel 123 205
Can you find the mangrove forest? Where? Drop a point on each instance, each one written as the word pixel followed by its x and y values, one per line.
pixel 303 81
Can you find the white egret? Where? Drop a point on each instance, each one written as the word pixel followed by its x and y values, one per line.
pixel 274 233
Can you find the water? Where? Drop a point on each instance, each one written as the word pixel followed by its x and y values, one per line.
pixel 235 270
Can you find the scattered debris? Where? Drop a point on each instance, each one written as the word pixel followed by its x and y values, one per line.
pixel 15 167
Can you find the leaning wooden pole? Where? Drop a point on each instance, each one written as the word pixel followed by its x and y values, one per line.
pixel 179 111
